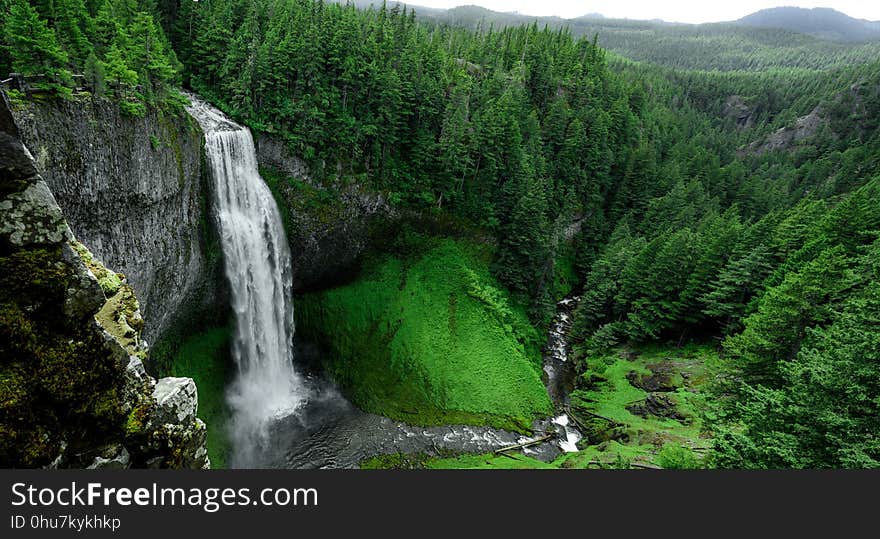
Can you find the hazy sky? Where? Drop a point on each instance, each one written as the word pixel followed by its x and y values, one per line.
pixel 669 10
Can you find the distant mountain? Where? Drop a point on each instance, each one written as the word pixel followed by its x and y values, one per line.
pixel 825 23
pixel 717 46
pixel 728 46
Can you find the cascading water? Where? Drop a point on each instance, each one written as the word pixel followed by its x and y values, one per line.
pixel 257 260
pixel 329 432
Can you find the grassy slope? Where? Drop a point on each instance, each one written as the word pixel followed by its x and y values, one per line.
pixel 430 339
pixel 203 357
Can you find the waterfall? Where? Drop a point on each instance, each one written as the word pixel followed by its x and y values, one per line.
pixel 258 266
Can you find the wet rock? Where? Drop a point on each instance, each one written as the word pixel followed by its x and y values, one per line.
pixel 273 153
pixel 326 242
pixel 58 461
pixel 658 405
pixel 596 430
pixel 559 372
pixel 661 379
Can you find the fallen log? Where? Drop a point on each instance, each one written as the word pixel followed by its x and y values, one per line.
pixel 594 414
pixel 525 444
pixel 578 422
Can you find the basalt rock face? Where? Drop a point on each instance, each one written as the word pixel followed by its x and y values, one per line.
pixel 329 224
pixel 134 191
pixel 73 389
pixel 736 109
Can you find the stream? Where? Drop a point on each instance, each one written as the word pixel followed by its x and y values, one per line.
pixel 329 432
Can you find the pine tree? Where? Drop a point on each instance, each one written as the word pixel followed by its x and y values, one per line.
pixel 734 287
pixel 73 25
pixel 834 388
pixel 117 70
pixel 145 52
pixel 33 45
pixel 775 332
pixel 95 75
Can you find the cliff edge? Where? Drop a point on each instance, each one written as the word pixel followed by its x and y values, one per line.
pixel 73 389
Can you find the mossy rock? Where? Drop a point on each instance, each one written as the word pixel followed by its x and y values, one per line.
pixel 58 381
pixel 109 280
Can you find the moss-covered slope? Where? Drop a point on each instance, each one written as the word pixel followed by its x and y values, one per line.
pixel 205 358
pixel 430 338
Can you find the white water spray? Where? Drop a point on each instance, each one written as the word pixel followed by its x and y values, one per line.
pixel 257 260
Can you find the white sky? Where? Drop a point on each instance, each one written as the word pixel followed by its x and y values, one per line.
pixel 668 10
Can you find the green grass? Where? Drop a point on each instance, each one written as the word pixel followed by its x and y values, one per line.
pixel 431 338
pixel 610 395
pixel 611 454
pixel 398 461
pixel 605 390
pixel 205 358
pixel 608 455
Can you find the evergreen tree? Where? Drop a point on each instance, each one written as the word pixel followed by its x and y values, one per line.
pixel 95 75
pixel 775 332
pixel 32 44
pixel 117 70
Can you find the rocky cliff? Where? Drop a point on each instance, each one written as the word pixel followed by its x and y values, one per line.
pixel 134 190
pixel 73 389
pixel 329 224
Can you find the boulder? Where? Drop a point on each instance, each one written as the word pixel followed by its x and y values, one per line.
pixel 177 401
pixel 84 295
pixel 657 405
pixel 116 458
pixel 32 217
pixel 660 380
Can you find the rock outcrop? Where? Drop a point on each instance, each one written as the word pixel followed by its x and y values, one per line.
pixel 329 225
pixel 134 191
pixel 786 137
pixel 736 109
pixel 73 389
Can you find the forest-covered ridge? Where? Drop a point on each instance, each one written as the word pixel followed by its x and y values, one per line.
pixel 780 41
pixel 759 235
